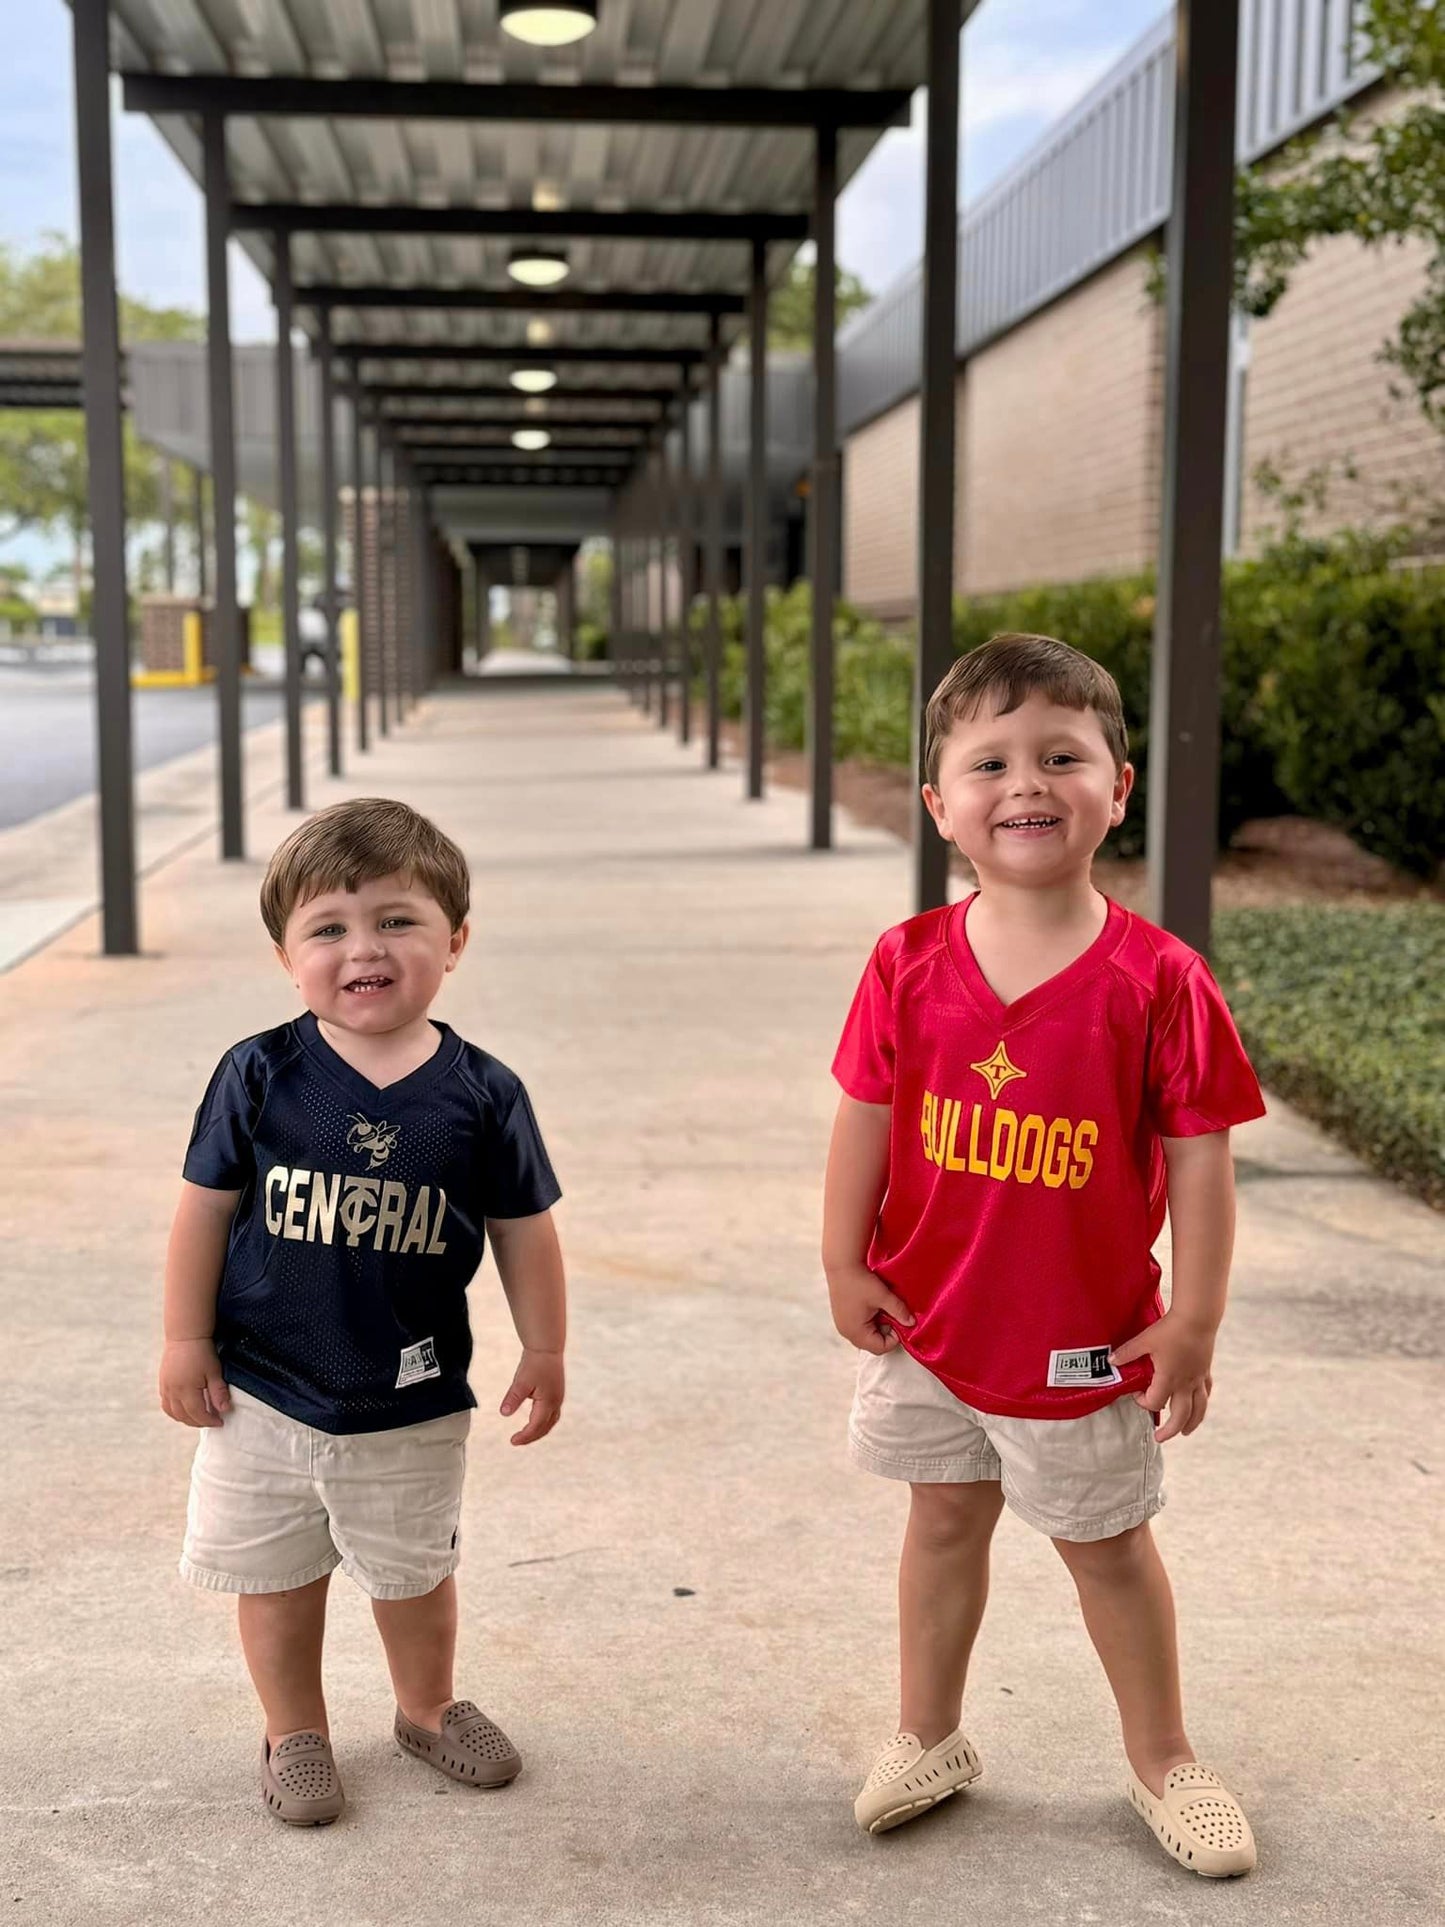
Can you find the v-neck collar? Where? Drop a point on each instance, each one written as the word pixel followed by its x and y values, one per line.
pixel 377 1096
pixel 1044 994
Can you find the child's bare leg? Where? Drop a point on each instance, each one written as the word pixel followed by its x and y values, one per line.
pixel 942 1588
pixel 420 1637
pixel 1129 1611
pixel 281 1636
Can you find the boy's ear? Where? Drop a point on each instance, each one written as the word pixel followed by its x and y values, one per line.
pixel 933 803
pixel 459 942
pixel 1123 784
pixel 283 960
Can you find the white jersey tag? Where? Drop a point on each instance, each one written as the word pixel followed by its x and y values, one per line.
pixel 418 1362
pixel 1087 1366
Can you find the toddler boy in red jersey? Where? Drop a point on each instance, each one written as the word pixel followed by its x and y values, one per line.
pixel 1026 1075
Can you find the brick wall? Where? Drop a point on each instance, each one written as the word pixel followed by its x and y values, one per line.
pixel 1059 450
pixel 1316 392
pixel 1059 477
pixel 880 512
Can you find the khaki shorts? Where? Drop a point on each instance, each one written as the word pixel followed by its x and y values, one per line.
pixel 1073 1478
pixel 275 1504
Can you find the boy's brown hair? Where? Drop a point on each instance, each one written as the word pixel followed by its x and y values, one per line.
pixel 1008 669
pixel 352 843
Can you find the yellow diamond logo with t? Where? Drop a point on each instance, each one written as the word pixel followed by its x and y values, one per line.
pixel 998 1070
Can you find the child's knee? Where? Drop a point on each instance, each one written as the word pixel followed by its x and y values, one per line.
pixel 952 1515
pixel 1109 1561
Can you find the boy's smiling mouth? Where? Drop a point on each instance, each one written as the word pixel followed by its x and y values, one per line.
pixel 367 986
pixel 1029 825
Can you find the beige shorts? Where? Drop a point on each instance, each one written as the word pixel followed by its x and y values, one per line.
pixel 1073 1478
pixel 275 1504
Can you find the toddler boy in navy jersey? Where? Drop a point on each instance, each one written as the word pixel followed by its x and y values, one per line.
pixel 343 1176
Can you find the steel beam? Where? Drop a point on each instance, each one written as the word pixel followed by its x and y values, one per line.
pixel 1183 808
pixel 496 391
pixel 407 419
pixel 500 448
pixel 713 560
pixel 686 559
pixel 578 223
pixel 358 574
pixel 168 521
pixel 756 518
pixel 198 510
pixel 385 576
pixel 524 478
pixel 518 351
pixel 292 96
pixel 105 479
pixel 326 360
pixel 566 593
pixel 224 620
pixel 529 301
pixel 290 571
pixel 661 494
pixel 937 411
pixel 823 496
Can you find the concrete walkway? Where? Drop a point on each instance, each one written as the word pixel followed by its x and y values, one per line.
pixel 682 1604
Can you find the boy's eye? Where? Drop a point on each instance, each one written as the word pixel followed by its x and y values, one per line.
pixel 1063 756
pixel 328 930
pixel 400 920
pixel 987 768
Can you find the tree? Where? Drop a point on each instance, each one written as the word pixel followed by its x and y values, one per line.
pixel 43 469
pixel 790 309
pixel 1382 183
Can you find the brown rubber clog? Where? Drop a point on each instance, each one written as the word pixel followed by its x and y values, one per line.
pixel 299 1781
pixel 469 1748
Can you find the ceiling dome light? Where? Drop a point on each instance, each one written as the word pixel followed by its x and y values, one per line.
pixel 531 439
pixel 557 25
pixel 533 381
pixel 537 267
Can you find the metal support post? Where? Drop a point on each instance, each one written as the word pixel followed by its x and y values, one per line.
pixel 937 410
pixel 359 599
pixel 105 479
pixel 1183 809
pixel 328 543
pixel 686 559
pixel 482 594
pixel 168 519
pixel 713 562
pixel 664 637
pixel 385 577
pixel 615 647
pixel 567 608
pixel 823 497
pixel 198 510
pixel 224 620
pixel 756 515
pixel 290 571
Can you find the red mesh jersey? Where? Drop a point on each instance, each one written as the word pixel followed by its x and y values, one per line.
pixel 1026 1179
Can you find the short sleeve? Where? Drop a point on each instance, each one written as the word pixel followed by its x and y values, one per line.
pixel 1199 1078
pixel 219 1155
pixel 517 1177
pixel 863 1063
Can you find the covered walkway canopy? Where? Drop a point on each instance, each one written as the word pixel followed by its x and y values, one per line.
pixel 519 262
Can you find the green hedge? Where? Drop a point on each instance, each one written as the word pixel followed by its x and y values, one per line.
pixel 1340 1011
pixel 1333 690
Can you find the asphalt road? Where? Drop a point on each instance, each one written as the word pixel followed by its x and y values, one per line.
pixel 47 731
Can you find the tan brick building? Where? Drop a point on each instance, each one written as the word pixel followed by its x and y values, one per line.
pixel 1060 391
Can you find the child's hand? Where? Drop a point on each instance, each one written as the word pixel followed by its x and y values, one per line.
pixel 192 1389
pixel 1181 1355
pixel 860 1301
pixel 540 1377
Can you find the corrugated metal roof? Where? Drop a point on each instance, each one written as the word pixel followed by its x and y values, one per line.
pixel 789 44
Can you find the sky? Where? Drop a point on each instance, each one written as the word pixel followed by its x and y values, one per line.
pixel 1025 62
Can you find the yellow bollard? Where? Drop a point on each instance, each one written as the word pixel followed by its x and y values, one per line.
pixel 350 656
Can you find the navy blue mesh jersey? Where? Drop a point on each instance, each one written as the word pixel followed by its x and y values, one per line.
pixel 360 1225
